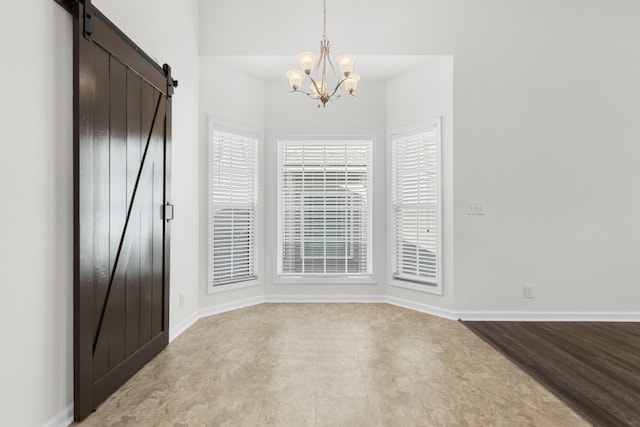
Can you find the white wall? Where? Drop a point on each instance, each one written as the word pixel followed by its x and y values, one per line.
pixel 36 362
pixel 413 98
pixel 36 229
pixel 546 97
pixel 234 98
pixel 296 114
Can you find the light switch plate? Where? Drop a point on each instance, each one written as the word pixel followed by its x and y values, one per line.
pixel 475 208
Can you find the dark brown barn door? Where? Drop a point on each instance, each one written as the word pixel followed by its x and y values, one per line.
pixel 122 115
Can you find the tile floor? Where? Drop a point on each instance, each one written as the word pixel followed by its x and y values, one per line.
pixel 331 365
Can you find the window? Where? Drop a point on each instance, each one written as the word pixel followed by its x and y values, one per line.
pixel 324 210
pixel 233 206
pixel 416 207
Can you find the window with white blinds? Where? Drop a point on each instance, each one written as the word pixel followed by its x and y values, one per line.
pixel 324 213
pixel 416 209
pixel 233 207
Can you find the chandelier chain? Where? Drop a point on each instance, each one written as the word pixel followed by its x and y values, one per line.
pixel 324 22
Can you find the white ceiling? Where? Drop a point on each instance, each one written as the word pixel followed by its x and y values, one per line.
pixel 370 67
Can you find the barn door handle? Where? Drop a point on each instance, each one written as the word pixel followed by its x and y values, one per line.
pixel 168 212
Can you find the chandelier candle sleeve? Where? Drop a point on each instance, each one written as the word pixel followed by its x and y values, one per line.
pixel 314 77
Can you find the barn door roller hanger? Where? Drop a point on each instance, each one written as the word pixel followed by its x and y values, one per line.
pixel 88 20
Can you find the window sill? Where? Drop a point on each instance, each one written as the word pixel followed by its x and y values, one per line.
pixel 233 286
pixel 426 288
pixel 317 280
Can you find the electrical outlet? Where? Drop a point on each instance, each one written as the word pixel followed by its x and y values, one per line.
pixel 181 299
pixel 528 291
pixel 475 208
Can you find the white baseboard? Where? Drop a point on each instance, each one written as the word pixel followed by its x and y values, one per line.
pixel 177 330
pixel 540 316
pixel 63 419
pixel 325 298
pixel 223 308
pixel 550 316
pixel 422 308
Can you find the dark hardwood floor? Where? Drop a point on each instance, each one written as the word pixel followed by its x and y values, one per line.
pixel 593 366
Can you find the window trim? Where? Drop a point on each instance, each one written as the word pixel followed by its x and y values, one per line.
pixel 256 280
pixel 368 278
pixel 432 287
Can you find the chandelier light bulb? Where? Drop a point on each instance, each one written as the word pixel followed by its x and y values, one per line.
pixel 345 62
pixel 306 60
pixel 351 83
pixel 295 78
pixel 322 86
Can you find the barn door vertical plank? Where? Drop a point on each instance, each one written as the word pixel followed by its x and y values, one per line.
pixel 134 137
pixel 83 99
pixel 101 221
pixel 167 198
pixel 148 103
pixel 117 206
pixel 157 295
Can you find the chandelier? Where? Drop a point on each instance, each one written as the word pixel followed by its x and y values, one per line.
pixel 311 78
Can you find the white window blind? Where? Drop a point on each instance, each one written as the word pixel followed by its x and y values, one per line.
pixel 233 207
pixel 416 205
pixel 324 207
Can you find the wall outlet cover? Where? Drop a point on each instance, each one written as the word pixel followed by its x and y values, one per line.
pixel 528 291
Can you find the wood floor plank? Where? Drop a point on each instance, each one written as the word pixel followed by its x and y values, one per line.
pixel 593 366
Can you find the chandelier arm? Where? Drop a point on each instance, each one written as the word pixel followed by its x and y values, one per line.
pixel 310 95
pixel 333 68
pixel 337 87
pixel 316 69
pixel 314 85
pixel 323 82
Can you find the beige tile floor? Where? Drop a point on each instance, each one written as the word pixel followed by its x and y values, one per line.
pixel 331 365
